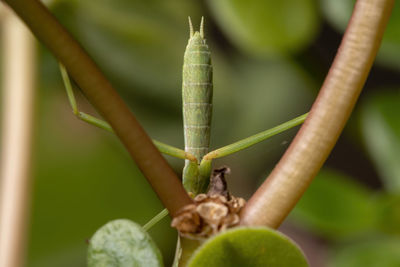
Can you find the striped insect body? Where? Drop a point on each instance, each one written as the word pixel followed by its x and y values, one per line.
pixel 197 94
pixel 197 91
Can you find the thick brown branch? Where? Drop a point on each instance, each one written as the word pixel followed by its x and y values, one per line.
pixel 104 98
pixel 301 162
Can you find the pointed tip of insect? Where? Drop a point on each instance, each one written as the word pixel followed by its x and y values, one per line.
pixel 191 27
pixel 202 27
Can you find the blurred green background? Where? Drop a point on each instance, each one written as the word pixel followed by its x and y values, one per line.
pixel 269 58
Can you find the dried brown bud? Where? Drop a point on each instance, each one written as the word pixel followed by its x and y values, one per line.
pixel 218 185
pixel 212 212
pixel 187 220
pixel 208 216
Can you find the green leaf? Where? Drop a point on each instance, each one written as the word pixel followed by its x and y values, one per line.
pixel 385 252
pixel 123 243
pixel 381 128
pixel 335 206
pixel 248 246
pixel 389 218
pixel 262 87
pixel 338 13
pixel 266 27
pixel 249 100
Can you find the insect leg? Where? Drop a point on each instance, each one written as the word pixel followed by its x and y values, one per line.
pixel 161 215
pixel 175 152
pixel 81 115
pixel 254 139
pixel 163 148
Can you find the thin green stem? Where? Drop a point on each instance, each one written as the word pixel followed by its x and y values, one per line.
pixel 105 99
pixel 277 196
pixel 254 139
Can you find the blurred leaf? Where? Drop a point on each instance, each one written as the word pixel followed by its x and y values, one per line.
pixel 335 206
pixel 269 93
pixel 385 252
pixel 267 27
pixel 261 94
pixel 67 257
pixel 122 243
pixel 140 43
pixel 381 129
pixel 389 217
pixel 255 96
pixel 338 13
pixel 245 246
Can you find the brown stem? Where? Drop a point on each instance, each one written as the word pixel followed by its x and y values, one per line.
pixel 105 99
pixel 277 196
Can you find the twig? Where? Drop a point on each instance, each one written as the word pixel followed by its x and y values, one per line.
pixel 277 196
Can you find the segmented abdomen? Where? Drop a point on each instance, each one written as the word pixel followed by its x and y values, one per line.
pixel 197 96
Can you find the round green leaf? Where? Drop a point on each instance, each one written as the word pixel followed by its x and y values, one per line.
pixel 248 246
pixel 266 27
pixel 384 252
pixel 336 206
pixel 122 243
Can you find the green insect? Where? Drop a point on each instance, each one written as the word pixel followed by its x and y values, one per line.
pixel 197 91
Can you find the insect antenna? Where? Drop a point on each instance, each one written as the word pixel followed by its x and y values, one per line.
pixel 202 27
pixel 190 27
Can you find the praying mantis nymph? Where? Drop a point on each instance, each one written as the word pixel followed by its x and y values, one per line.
pixel 197 91
pixel 197 108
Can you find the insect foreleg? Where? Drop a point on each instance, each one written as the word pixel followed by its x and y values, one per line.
pixel 163 148
pixel 190 176
pixel 254 139
pixel 71 98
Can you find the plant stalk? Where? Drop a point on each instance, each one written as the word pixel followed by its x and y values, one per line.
pixel 277 196
pixel 105 99
pixel 18 115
